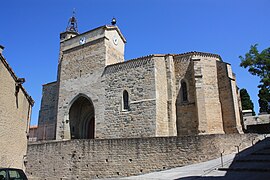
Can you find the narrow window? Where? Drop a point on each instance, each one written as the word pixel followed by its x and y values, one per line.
pixel 73 129
pixel 184 91
pixel 125 100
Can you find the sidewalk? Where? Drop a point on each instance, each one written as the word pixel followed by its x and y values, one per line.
pixel 200 169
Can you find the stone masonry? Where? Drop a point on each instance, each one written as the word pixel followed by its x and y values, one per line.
pixel 101 158
pixel 15 114
pixel 48 109
pixel 99 95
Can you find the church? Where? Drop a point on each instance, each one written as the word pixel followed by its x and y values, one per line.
pixel 100 95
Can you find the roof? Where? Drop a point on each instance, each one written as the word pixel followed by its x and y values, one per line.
pixel 29 98
pixel 111 27
pixel 136 61
pixel 195 53
pixel 191 53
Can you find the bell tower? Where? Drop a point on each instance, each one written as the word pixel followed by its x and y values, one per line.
pixel 82 60
pixel 71 30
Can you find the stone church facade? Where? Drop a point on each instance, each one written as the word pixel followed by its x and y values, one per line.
pixel 100 95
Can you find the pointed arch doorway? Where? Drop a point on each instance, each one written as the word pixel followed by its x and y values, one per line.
pixel 82 118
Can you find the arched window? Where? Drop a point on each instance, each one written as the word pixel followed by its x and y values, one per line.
pixel 184 91
pixel 125 100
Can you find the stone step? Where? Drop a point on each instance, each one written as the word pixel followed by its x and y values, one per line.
pixel 249 158
pixel 261 153
pixel 254 157
pixel 248 165
pixel 253 160
pixel 245 169
pixel 264 150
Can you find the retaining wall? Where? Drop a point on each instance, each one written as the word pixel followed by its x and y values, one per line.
pixel 88 159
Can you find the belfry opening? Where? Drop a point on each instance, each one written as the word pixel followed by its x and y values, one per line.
pixel 82 119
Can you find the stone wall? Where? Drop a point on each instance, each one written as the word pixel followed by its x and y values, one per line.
pixel 186 112
pixel 137 77
pixel 257 124
pixel 115 47
pixel 212 102
pixel 48 112
pixel 95 70
pixel 224 93
pixel 81 70
pixel 236 99
pixel 161 86
pixel 171 92
pixel 81 74
pixel 32 135
pixel 211 95
pixel 15 113
pixel 207 94
pixel 88 159
pixel 226 98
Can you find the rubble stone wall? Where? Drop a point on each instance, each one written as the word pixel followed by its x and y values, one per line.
pixel 88 159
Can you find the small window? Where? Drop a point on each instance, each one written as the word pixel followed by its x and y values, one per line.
pixel 125 101
pixel 73 129
pixel 184 91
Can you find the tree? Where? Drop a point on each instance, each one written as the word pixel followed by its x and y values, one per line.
pixel 247 104
pixel 264 99
pixel 258 63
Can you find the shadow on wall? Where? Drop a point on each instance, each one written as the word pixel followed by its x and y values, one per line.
pixel 250 164
pixel 186 110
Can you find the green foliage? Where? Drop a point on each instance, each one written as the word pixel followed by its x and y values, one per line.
pixel 247 104
pixel 264 100
pixel 259 64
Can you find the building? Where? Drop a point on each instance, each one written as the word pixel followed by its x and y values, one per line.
pixel 32 135
pixel 100 95
pixel 15 113
pixel 256 124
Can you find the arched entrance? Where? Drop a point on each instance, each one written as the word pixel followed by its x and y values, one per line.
pixel 82 119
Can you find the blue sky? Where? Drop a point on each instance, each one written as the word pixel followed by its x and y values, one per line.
pixel 30 32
